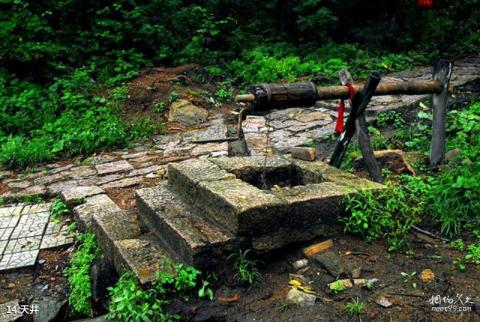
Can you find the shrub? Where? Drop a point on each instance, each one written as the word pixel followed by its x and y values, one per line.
pixel 388 213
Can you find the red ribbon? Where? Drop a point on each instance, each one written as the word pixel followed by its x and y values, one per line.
pixel 339 127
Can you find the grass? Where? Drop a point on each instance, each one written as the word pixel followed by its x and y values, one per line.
pixel 245 269
pixel 355 307
pixel 78 274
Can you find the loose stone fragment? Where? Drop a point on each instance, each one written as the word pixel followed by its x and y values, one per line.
pixel 301 263
pixel 300 298
pixel 383 301
pixel 304 153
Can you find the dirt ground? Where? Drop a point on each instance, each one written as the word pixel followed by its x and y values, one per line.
pixel 265 300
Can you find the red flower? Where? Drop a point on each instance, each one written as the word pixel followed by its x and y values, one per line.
pixel 424 4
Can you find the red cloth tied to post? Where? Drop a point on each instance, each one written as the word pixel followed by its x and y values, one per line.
pixel 424 4
pixel 339 127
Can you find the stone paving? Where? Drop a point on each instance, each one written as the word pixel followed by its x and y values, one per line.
pixel 25 230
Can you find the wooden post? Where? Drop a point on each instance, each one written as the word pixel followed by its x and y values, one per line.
pixel 363 138
pixel 442 73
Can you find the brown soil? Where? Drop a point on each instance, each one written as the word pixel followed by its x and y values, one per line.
pixel 154 85
pixel 265 300
pixel 124 198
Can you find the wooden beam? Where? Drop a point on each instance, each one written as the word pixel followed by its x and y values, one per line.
pixel 391 88
pixel 442 73
pixel 417 87
pixel 362 136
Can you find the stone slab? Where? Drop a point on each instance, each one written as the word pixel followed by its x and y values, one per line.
pixel 185 176
pixel 31 225
pixel 5 233
pixel 115 226
pixel 57 240
pixel 313 204
pixel 75 194
pixel 95 205
pixel 18 260
pixel 123 183
pixel 22 245
pixel 142 257
pixel 57 235
pixel 113 167
pixel 186 234
pixel 239 206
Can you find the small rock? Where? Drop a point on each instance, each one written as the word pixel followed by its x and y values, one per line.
pixel 301 263
pixel 427 275
pixel 383 301
pixel 330 262
pixel 11 285
pixel 300 298
pixel 304 153
pixel 356 272
pixel 452 155
pixel 184 112
pixel 41 261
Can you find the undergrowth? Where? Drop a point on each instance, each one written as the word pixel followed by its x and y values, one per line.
pixel 447 200
pixel 78 274
pixel 130 302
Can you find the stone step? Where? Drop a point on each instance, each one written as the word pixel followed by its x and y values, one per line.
pixel 126 248
pixel 190 237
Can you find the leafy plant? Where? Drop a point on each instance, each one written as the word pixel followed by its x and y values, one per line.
pixel 387 118
pixel 129 302
pixel 409 278
pixel 473 253
pixel 58 209
pixel 245 268
pixel 388 213
pixel 173 96
pixel 159 107
pixel 224 92
pixel 458 244
pixel 355 307
pixel 78 273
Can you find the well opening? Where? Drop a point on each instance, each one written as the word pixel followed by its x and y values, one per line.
pixel 279 176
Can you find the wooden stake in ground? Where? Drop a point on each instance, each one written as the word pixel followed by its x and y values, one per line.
pixel 442 73
pixel 362 135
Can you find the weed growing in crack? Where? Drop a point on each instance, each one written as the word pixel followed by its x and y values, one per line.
pixel 58 210
pixel 246 271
